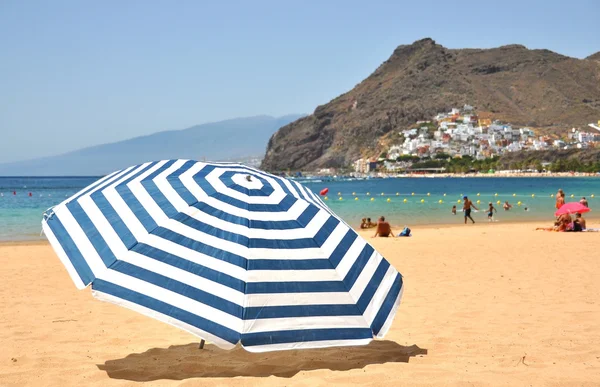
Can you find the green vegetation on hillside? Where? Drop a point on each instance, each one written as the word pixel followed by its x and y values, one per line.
pixel 562 161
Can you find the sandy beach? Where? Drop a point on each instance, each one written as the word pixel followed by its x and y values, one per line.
pixel 484 305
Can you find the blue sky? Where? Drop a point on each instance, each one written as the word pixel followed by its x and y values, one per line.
pixel 79 73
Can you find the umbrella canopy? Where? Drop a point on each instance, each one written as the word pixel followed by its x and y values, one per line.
pixel 572 208
pixel 228 253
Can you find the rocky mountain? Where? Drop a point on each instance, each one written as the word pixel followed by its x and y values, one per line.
pixel 233 139
pixel 595 56
pixel 536 88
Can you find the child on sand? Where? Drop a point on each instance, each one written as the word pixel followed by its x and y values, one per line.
pixel 366 223
pixel 491 211
pixel 363 223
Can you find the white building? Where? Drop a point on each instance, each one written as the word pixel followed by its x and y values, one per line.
pixel 526 132
pixel 539 145
pixel 584 137
pixel 438 144
pixel 410 133
pixel 362 166
pixel 514 147
pixel 392 166
pixel 447 125
pixel 394 152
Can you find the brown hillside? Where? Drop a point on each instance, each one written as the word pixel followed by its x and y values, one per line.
pixel 537 88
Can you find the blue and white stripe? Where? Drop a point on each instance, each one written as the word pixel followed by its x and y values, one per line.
pixel 196 245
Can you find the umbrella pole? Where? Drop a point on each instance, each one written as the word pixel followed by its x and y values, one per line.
pixel 201 344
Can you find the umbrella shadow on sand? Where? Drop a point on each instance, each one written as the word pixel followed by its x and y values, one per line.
pixel 180 362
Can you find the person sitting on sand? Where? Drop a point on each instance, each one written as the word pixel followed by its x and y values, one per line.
pixel 491 210
pixel 467 208
pixel 559 226
pixel 383 228
pixel 564 219
pixel 370 224
pixel 580 220
pixel 506 206
pixel 366 223
pixel 454 210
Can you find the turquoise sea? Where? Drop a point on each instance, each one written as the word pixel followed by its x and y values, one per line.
pixel 20 213
pixel 393 198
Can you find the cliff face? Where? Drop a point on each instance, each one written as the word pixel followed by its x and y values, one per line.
pixel 537 88
pixel 595 56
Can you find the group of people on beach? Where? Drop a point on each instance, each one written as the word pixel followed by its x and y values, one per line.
pixel 383 228
pixel 564 222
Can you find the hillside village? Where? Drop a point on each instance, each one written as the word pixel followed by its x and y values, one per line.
pixel 461 132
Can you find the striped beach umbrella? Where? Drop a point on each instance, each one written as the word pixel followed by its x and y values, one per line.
pixel 225 252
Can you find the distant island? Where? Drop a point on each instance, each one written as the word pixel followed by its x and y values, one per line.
pixel 239 139
pixel 541 92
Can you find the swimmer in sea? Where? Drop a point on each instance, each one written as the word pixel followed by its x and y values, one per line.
pixel 454 210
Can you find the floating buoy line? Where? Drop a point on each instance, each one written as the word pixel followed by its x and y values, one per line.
pixel 388 196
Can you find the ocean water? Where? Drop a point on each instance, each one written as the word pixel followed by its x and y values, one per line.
pixel 424 206
pixel 21 214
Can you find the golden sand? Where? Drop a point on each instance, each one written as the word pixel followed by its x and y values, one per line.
pixel 483 305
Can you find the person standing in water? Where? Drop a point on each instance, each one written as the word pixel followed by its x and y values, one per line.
pixel 467 204
pixel 491 211
pixel 560 198
pixel 584 202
